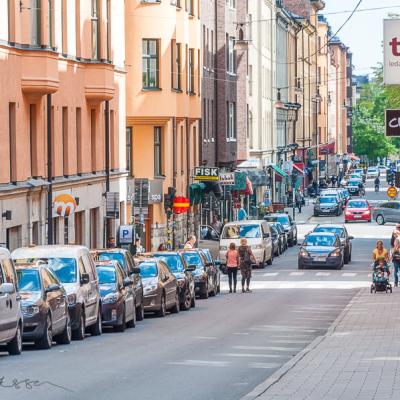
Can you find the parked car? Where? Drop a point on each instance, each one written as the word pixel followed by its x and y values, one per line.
pixel 276 240
pixel 358 210
pixel 288 224
pixel 205 273
pixel 209 239
pixel 118 299
pixel 257 234
pixel 388 211
pixel 125 259
pixel 216 263
pixel 44 306
pixel 372 172
pixel 345 238
pixel 183 274
pixel 74 267
pixel 353 186
pixel 327 205
pixel 334 192
pixel 10 307
pixel 161 293
pixel 321 250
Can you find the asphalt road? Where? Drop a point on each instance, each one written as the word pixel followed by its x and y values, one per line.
pixel 220 350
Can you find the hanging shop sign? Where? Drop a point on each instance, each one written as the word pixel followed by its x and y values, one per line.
pixel 206 174
pixel 112 205
pixel 181 205
pixel 64 205
pixel 392 123
pixel 391 51
pixel 227 179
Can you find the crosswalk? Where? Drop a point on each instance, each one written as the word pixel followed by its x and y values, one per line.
pixel 362 274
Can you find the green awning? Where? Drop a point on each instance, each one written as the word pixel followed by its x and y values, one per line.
pixel 196 193
pixel 279 171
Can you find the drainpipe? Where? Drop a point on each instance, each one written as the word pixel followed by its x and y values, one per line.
pixel 49 174
pixel 215 115
pixel 107 163
pixel 174 172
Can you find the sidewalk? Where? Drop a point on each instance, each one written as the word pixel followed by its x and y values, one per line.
pixel 307 212
pixel 358 358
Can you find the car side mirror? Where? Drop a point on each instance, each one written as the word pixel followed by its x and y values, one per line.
pixel 190 268
pixel 85 279
pixel 136 270
pixel 7 288
pixel 52 288
pixel 351 237
pixel 127 282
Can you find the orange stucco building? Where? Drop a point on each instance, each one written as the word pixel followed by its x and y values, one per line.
pixel 68 50
pixel 163 108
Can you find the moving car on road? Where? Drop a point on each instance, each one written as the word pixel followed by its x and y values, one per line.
pixel 44 306
pixel 353 186
pixel 118 300
pixel 357 210
pixel 327 205
pixel 160 287
pixel 288 224
pixel 334 192
pixel 360 172
pixel 75 269
pixel 372 172
pixel 388 211
pixel 183 274
pixel 10 310
pixel 345 238
pixel 321 250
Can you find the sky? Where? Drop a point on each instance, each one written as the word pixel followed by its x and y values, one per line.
pixel 364 32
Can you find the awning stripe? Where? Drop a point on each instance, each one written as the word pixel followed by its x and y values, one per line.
pixel 279 171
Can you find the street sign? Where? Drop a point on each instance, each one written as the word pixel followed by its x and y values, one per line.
pixel 392 122
pixel 112 205
pixel 391 51
pixel 392 192
pixel 227 179
pixel 64 205
pixel 181 205
pixel 397 179
pixel 126 234
pixel 206 174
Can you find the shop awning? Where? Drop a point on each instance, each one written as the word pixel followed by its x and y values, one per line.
pixel 326 149
pixel 258 177
pixel 279 171
pixel 196 193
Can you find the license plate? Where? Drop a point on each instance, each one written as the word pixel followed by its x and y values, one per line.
pixel 320 259
pixel 357 216
pixel 326 211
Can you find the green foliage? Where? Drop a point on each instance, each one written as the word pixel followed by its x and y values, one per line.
pixel 369 118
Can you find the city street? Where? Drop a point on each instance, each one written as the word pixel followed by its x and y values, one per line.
pixel 222 349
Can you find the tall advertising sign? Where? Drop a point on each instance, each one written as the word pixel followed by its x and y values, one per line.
pixel 391 51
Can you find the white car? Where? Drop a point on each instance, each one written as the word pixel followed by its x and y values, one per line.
pixel 372 172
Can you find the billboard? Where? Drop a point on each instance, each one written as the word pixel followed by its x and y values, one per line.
pixel 391 51
pixel 392 123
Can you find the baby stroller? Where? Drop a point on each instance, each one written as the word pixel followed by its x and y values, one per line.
pixel 380 278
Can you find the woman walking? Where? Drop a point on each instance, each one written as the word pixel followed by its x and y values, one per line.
pixel 396 260
pixel 380 253
pixel 246 260
pixel 232 264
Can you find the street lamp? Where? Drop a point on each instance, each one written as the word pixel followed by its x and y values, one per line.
pixel 293 147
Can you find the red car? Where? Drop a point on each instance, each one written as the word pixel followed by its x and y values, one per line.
pixel 358 210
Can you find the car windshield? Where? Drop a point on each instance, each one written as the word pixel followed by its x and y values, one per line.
pixel 372 169
pixel 322 240
pixel 332 229
pixel 111 255
pixel 357 204
pixel 358 171
pixel 193 258
pixel 327 199
pixel 173 261
pixel 208 255
pixel 28 280
pixel 241 231
pixel 106 274
pixel 283 219
pixel 148 269
pixel 354 183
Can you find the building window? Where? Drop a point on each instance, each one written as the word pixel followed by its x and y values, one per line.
pixel 212 49
pixel 150 78
pixel 231 121
pixel 250 26
pixel 191 71
pixel 12 121
pixel 176 65
pixel 157 151
pixel 129 166
pixel 64 27
pixel 35 23
pixel 211 130
pixel 108 30
pixel 93 139
pixel 51 23
pixel 33 139
pixel 250 80
pixel 78 127
pixel 250 128
pixel 95 30
pixel 64 130
pixel 191 7
pixel 231 54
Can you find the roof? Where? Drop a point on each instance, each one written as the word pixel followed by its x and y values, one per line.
pixel 247 222
pixel 321 233
pixel 112 250
pixel 330 226
pixel 104 263
pixel 4 252
pixel 50 251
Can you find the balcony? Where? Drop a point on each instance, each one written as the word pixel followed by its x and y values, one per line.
pixel 39 72
pixel 99 82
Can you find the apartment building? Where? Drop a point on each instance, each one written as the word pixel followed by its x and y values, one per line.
pixel 63 88
pixel 163 112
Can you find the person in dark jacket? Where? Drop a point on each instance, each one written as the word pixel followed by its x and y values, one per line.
pixel 246 259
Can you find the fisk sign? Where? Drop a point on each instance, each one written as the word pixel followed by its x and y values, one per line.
pixel 206 174
pixel 391 51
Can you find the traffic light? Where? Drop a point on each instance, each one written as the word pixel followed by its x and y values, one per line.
pixel 397 179
pixel 169 199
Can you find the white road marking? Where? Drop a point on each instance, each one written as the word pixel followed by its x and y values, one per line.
pixel 349 274
pixel 260 285
pixel 241 333
pixel 250 355
pixel 288 341
pixel 201 363
pixel 322 274
pixel 264 365
pixel 271 348
pixel 271 274
pixel 296 273
pixel 205 337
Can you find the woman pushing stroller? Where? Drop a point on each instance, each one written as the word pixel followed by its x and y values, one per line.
pixel 381 274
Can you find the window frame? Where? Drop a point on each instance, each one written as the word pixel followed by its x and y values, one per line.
pixel 158 147
pixel 147 58
pixel 191 71
pixel 36 16
pixel 95 22
pixel 176 66
pixel 231 121
pixel 129 147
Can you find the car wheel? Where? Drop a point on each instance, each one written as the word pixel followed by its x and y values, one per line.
pixel 176 308
pixel 204 293
pixel 140 312
pixel 66 336
pixel 346 257
pixel 219 288
pixel 269 262
pixel 162 311
pixel 79 333
pixel 193 304
pixel 132 322
pixel 380 219
pixel 46 341
pixel 96 329
pixel 122 326
pixel 187 300
pixel 291 242
pixel 214 291
pixel 14 347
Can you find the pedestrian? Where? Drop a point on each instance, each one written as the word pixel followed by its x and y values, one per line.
pixel 138 248
pixel 380 253
pixel 111 243
pixel 395 235
pixel 190 243
pixel 246 258
pixel 299 200
pixel 333 180
pixel 162 247
pixel 216 224
pixel 232 265
pixel 395 256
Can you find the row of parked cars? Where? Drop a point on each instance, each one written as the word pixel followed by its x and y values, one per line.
pixel 59 293
pixel 331 202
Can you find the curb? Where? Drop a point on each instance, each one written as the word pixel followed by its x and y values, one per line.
pixel 262 388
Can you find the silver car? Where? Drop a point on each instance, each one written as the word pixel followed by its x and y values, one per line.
pixel 388 211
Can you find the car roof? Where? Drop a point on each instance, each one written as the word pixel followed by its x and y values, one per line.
pixel 247 222
pixel 161 252
pixel 329 226
pixel 105 263
pixel 4 253
pixel 50 251
pixel 113 250
pixel 322 233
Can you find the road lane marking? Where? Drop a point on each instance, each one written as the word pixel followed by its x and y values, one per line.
pixel 317 284
pixel 296 274
pixel 241 333
pixel 250 355
pixel 270 348
pixel 205 337
pixel 201 363
pixel 349 274
pixel 288 341
pixel 322 273
pixel 271 274
pixel 264 365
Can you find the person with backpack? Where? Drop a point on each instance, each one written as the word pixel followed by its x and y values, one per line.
pixel 246 258
pixel 232 266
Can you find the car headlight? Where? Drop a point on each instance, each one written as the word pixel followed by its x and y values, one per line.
pixel 304 253
pixel 335 253
pixel 150 288
pixel 257 247
pixel 110 298
pixel 30 310
pixel 223 248
pixel 71 299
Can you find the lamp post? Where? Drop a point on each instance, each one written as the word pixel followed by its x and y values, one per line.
pixel 317 100
pixel 293 147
